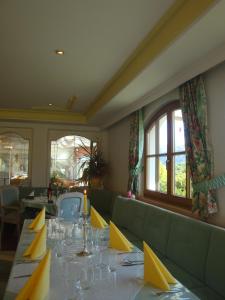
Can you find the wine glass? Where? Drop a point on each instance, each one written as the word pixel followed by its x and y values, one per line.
pixel 59 249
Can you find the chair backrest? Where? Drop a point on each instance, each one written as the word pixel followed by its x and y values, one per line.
pixel 9 195
pixel 69 205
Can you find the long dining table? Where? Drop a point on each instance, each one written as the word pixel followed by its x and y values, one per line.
pixel 106 274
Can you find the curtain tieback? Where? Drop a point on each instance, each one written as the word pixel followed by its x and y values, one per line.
pixel 212 184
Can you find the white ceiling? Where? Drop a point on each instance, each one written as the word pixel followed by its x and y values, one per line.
pixel 205 36
pixel 97 37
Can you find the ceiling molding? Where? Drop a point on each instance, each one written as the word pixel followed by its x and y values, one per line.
pixel 202 65
pixel 173 23
pixel 42 116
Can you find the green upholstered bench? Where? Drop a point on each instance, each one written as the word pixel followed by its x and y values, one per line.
pixel 102 200
pixel 192 250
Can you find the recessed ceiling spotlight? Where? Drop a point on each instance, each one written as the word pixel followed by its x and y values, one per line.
pixel 59 52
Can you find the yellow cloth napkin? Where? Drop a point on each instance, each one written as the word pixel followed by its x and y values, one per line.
pixel 39 221
pixel 96 219
pixel 37 286
pixel 38 246
pixel 154 270
pixel 117 240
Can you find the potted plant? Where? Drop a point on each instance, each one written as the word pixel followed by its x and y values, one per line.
pixel 94 166
pixel 55 186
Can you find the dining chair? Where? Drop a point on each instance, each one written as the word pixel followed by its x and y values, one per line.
pixel 69 205
pixel 10 210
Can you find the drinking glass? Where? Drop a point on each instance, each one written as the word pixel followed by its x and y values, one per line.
pixel 110 260
pixel 75 213
pixel 73 276
pixel 77 232
pixel 59 249
pixel 101 240
pixel 68 234
pixel 52 228
pixel 86 277
pixel 60 228
pixel 96 238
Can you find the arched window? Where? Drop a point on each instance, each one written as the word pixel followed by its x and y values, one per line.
pixel 14 159
pixel 166 171
pixel 68 155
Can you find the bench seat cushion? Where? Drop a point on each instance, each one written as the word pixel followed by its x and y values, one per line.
pixel 215 265
pixel 105 216
pixel 132 237
pixel 184 277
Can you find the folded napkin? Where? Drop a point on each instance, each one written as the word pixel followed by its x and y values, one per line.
pixel 37 286
pixel 38 246
pixel 96 219
pixel 155 272
pixel 39 221
pixel 117 240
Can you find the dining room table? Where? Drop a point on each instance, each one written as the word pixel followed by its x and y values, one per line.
pixel 104 274
pixel 39 202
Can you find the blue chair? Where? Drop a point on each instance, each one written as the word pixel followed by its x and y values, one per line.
pixel 69 205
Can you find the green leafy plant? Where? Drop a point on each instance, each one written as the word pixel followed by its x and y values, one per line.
pixel 92 164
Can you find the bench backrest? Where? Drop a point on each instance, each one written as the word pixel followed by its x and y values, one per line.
pixel 195 246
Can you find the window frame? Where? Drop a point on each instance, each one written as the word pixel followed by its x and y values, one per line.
pixel 10 179
pixel 167 197
pixel 51 171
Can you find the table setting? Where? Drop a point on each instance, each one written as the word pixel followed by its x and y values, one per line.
pixel 38 202
pixel 86 258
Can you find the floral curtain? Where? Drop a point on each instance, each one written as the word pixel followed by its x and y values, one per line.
pixel 136 146
pixel 194 108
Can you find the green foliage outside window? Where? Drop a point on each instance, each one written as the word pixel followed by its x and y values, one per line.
pixel 180 184
pixel 162 178
pixel 180 179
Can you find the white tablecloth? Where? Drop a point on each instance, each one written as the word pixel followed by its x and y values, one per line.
pixel 40 202
pixel 125 282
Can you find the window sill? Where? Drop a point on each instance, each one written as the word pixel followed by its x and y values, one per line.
pixel 183 211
